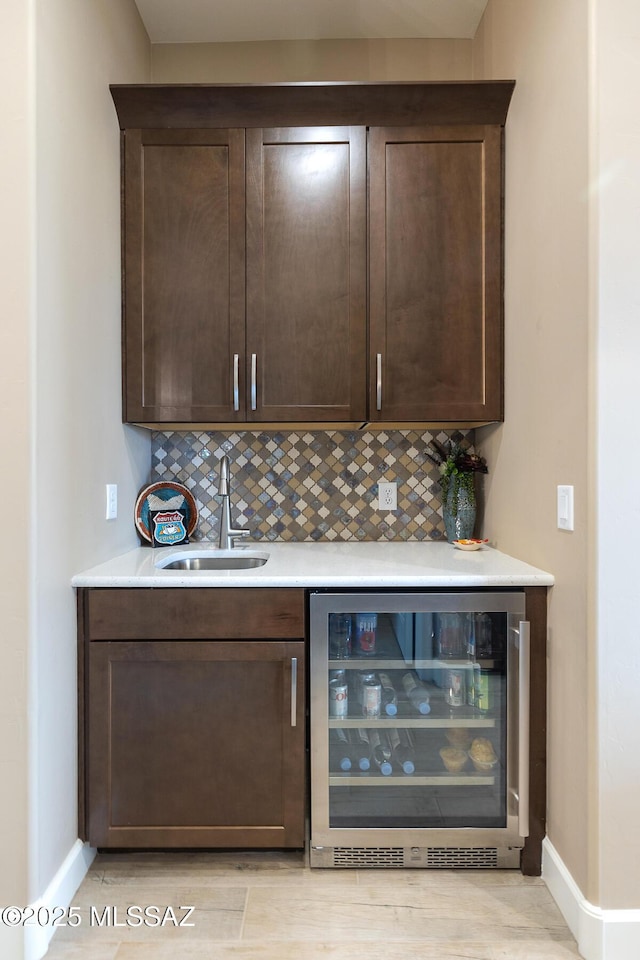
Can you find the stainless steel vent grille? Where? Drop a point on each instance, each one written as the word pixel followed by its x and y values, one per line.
pixel 368 857
pixel 447 857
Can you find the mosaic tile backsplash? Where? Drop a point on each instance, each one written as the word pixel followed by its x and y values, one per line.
pixel 310 485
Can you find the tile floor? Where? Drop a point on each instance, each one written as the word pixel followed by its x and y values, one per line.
pixel 271 906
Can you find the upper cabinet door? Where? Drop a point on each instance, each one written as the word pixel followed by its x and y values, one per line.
pixel 184 275
pixel 306 274
pixel 435 241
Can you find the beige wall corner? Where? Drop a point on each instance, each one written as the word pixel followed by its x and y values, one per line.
pixel 544 440
pixel 288 61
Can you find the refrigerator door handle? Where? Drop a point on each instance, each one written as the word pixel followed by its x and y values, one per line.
pixel 523 726
pixel 294 690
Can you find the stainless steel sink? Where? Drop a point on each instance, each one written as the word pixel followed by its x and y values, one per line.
pixel 213 560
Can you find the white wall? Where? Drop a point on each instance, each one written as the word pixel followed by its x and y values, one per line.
pixel 615 192
pixel 17 285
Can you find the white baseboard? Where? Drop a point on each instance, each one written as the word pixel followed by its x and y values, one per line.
pixel 59 893
pixel 600 934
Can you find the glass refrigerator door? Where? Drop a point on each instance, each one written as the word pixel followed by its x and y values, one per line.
pixel 413 723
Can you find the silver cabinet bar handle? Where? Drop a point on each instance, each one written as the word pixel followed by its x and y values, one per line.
pixel 294 690
pixel 378 381
pixel 236 391
pixel 523 727
pixel 254 386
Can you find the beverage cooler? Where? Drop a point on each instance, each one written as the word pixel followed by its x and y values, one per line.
pixel 419 729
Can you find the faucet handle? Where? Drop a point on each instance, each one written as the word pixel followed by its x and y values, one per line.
pixel 239 532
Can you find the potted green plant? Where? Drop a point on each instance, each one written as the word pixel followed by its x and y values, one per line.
pixel 458 468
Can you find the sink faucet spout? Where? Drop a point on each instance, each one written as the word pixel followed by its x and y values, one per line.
pixel 228 534
pixel 224 489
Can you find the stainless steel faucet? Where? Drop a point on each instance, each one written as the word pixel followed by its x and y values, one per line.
pixel 227 533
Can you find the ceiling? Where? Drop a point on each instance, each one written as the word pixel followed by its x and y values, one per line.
pixel 208 21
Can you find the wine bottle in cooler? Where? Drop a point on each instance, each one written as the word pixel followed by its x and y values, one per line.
pixel 360 748
pixel 473 685
pixel 402 750
pixel 381 751
pixel 389 698
pixel 416 693
pixel 339 750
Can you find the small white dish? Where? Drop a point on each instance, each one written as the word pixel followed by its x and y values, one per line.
pixel 472 544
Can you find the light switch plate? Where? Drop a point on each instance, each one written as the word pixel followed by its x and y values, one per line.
pixel 112 501
pixel 565 507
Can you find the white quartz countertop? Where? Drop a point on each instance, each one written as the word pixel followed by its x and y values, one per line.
pixel 327 564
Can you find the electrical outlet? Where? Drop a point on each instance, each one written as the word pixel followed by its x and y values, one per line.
pixel 387 496
pixel 112 501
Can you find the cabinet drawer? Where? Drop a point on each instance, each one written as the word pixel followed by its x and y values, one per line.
pixel 199 614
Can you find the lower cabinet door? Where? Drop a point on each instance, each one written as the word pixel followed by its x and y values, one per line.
pixel 196 744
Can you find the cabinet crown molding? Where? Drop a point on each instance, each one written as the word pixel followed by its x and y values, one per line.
pixel 160 106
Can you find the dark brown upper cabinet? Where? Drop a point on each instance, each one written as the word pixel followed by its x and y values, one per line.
pixel 306 274
pixel 252 217
pixel 435 250
pixel 196 348
pixel 184 274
